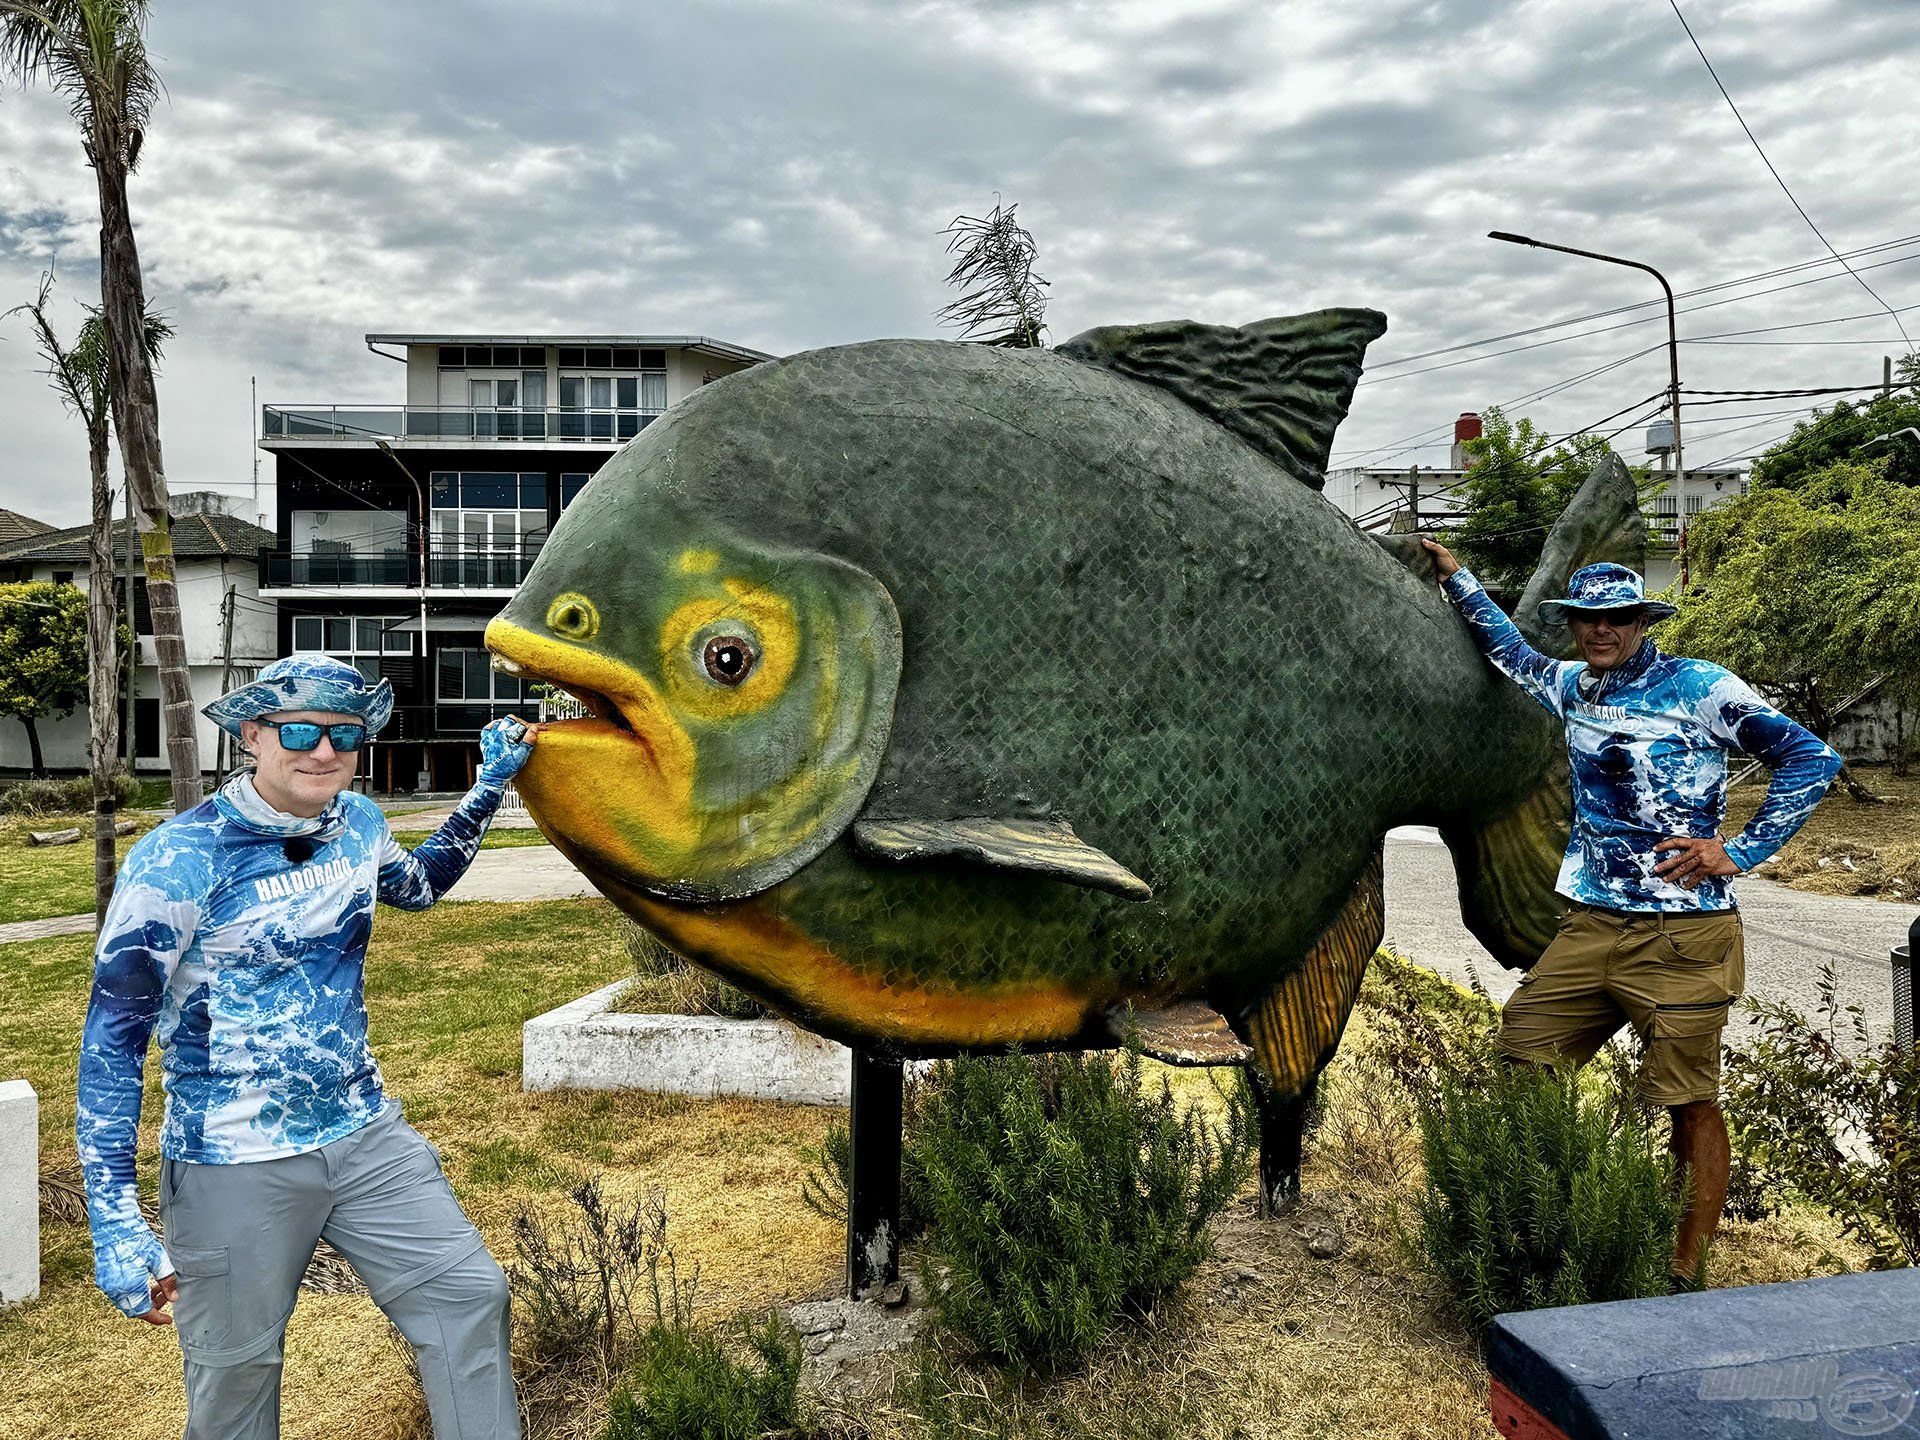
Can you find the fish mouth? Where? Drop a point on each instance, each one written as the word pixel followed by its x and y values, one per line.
pixel 613 787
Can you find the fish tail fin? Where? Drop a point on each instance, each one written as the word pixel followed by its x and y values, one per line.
pixel 1508 864
pixel 1295 1028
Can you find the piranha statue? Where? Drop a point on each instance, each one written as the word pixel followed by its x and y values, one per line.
pixel 951 697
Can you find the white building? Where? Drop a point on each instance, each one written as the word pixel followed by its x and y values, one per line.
pixel 216 556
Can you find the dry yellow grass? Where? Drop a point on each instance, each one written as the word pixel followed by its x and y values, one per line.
pixel 1266 1343
pixel 1848 846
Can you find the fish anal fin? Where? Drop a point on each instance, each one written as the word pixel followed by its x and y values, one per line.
pixel 1297 1026
pixel 1038 847
pixel 1282 385
pixel 1187 1033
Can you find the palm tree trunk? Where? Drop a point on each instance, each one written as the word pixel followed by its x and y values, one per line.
pixel 136 419
pixel 103 670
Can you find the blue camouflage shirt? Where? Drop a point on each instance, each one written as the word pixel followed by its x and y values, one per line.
pixel 1648 743
pixel 236 936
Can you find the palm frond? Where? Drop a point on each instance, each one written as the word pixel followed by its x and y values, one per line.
pixel 94 52
pixel 994 270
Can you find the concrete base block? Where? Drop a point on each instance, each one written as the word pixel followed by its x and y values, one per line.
pixel 583 1046
pixel 19 1192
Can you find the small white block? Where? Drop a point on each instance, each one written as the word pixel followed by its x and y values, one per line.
pixel 19 1192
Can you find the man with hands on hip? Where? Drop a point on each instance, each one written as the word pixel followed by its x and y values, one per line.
pixel 236 937
pixel 1652 936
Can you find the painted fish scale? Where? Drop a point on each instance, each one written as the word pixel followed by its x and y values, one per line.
pixel 1107 617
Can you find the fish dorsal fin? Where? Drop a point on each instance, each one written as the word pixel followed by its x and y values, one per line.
pixel 1040 847
pixel 1408 550
pixel 1601 522
pixel 1187 1033
pixel 1282 385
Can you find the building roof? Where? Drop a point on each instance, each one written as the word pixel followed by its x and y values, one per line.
pixel 726 349
pixel 195 537
pixel 15 526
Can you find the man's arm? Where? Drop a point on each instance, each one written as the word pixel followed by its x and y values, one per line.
pixel 1499 639
pixel 145 931
pixel 414 879
pixel 1803 765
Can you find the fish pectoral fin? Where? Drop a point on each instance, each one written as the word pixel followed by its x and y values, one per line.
pixel 1039 847
pixel 1189 1033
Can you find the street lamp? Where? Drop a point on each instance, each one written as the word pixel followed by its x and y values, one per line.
pixel 1673 366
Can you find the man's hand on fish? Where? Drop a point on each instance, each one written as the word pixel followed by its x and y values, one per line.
pixel 1443 562
pixel 1693 860
pixel 505 746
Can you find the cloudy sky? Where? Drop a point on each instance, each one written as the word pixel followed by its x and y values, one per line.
pixel 776 173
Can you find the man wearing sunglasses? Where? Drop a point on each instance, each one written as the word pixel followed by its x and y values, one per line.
pixel 237 935
pixel 1652 936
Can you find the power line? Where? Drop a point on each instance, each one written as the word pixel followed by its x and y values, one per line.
pixel 1545 326
pixel 1759 150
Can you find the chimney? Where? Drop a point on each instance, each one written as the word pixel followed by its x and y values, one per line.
pixel 1466 428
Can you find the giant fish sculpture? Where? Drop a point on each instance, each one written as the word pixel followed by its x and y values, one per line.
pixel 952 697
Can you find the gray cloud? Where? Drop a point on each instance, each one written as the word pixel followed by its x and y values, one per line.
pixel 775 173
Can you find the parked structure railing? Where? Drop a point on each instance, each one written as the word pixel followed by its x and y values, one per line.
pixel 451 422
pixel 497 566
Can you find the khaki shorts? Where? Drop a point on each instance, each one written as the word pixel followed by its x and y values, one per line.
pixel 1671 976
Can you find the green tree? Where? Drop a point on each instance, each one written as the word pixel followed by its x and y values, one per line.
pixel 94 53
pixel 1810 592
pixel 1520 481
pixel 43 656
pixel 1839 433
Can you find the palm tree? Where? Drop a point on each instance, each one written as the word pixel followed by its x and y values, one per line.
pixel 94 52
pixel 81 376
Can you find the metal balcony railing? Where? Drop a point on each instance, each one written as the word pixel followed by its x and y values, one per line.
pixel 457 567
pixel 450 422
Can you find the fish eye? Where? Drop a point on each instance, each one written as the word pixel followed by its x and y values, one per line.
pixel 573 617
pixel 729 659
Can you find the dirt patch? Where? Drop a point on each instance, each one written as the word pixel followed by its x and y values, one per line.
pixel 1847 846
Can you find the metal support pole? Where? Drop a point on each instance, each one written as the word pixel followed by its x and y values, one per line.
pixel 1903 958
pixel 873 1187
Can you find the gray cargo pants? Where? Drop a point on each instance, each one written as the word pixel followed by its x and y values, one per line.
pixel 240 1237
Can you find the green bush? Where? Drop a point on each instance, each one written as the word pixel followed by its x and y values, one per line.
pixel 665 983
pixel 1060 1194
pixel 687 1386
pixel 1837 1123
pixel 1538 1193
pixel 73 796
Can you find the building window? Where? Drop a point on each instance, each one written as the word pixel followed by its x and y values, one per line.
pixel 487 527
pixel 606 405
pixel 146 728
pixel 469 692
pixel 360 640
pixel 63 577
pixel 570 486
pixel 142 608
pixel 1695 503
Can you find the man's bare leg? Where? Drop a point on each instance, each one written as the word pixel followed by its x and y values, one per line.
pixel 1700 1149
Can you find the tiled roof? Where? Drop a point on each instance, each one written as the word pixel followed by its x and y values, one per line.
pixel 195 537
pixel 15 526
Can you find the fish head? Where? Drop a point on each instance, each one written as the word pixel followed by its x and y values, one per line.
pixel 739 689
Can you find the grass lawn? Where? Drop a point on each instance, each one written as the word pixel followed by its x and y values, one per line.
pixel 1265 1341
pixel 1868 849
pixel 500 837
pixel 37 883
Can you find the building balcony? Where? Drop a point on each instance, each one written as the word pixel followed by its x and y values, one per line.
pixel 448 425
pixel 463 568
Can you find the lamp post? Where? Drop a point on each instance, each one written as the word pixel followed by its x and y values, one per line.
pixel 420 500
pixel 1673 367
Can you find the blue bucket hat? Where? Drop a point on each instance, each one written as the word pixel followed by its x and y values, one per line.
pixel 304 680
pixel 1603 587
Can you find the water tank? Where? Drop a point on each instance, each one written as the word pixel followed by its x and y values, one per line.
pixel 1660 438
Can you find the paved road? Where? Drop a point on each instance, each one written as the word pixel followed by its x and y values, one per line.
pixel 528 872
pixel 1789 932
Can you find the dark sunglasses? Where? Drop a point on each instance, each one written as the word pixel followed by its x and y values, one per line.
pixel 346 737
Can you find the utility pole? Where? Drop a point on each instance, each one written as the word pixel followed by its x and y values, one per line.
pixel 226 677
pixel 1673 368
pixel 1886 377
pixel 1413 497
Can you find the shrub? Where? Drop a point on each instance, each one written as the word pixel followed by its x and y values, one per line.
pixel 72 796
pixel 592 1283
pixel 1539 1194
pixel 1061 1194
pixel 665 983
pixel 1840 1126
pixel 687 1386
